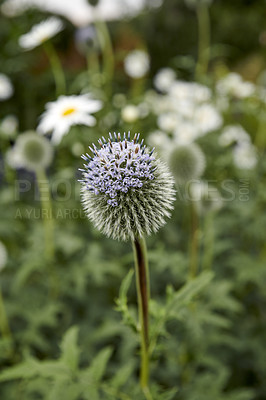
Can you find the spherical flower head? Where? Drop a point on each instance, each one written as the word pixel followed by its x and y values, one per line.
pixel 3 256
pixel 137 64
pixel 32 152
pixel 67 111
pixel 6 88
pixel 186 163
pixel 126 191
pixel 40 33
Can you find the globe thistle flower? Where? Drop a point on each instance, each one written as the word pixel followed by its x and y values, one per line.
pixel 207 198
pixel 6 88
pixel 3 256
pixel 186 163
pixel 126 191
pixel 66 111
pixel 40 33
pixel 137 64
pixel 31 151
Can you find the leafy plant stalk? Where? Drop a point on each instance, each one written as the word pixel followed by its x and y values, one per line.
pixel 143 293
pixel 107 52
pixel 48 223
pixel 57 69
pixel 208 242
pixel 4 325
pixel 203 39
pixel 194 243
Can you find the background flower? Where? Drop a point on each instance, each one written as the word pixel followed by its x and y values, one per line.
pixel 65 112
pixel 6 88
pixel 40 33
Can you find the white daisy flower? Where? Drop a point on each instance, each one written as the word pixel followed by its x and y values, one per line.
pixel 80 12
pixel 245 156
pixel 164 79
pixel 40 33
pixel 6 88
pixel 137 64
pixel 66 111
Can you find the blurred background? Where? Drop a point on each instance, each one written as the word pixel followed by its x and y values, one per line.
pixel 190 76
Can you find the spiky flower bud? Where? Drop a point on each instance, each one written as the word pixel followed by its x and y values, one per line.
pixel 31 151
pixel 126 191
pixel 186 163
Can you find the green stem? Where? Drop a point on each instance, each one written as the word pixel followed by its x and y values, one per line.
pixel 4 325
pixel 143 292
pixel 48 223
pixel 204 30
pixel 260 135
pixel 194 244
pixel 208 242
pixel 57 69
pixel 107 52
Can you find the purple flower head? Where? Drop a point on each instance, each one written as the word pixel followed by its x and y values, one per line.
pixel 126 191
pixel 118 166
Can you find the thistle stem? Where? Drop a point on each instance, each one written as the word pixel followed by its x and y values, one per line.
pixel 48 223
pixel 143 293
pixel 107 51
pixel 57 69
pixel 203 39
pixel 4 325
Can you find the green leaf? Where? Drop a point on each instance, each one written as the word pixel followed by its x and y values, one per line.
pixel 184 295
pixel 31 368
pixel 98 366
pixel 70 350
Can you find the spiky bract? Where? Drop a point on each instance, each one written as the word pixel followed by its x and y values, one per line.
pixel 186 162
pixel 126 192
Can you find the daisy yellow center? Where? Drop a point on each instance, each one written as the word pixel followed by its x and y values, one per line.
pixel 68 111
